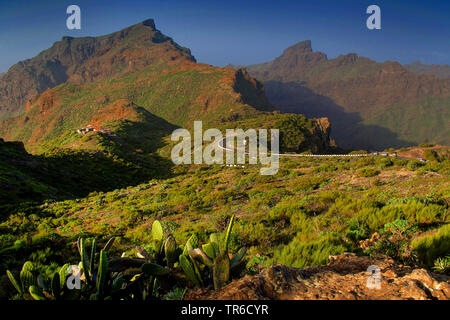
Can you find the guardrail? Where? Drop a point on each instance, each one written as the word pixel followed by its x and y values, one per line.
pixel 222 146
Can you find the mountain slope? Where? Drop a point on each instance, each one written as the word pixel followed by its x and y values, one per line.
pixel 441 71
pixel 358 95
pixel 64 174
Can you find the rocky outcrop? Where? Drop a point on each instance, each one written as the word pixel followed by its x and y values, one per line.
pixel 321 132
pixel 344 278
pixel 251 90
pixel 295 60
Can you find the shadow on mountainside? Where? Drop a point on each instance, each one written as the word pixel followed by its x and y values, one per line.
pixel 128 157
pixel 347 127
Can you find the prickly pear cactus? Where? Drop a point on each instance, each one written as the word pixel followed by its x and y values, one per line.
pixel 36 293
pixel 170 250
pixel 221 271
pixel 189 268
pixel 157 231
pixel 27 277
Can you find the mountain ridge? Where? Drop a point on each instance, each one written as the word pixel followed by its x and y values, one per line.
pixel 371 105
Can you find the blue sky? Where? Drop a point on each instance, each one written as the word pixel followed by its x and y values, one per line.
pixel 240 31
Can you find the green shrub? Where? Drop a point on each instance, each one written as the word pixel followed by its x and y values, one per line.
pixel 367 172
pixel 385 162
pixel 300 253
pixel 432 155
pixel 431 247
pixel 427 145
pixel 414 165
pixel 305 184
pixel 359 152
pixel 357 230
pixel 401 162
pixel 326 168
pixel 442 265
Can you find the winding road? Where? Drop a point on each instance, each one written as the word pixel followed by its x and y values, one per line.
pixel 222 145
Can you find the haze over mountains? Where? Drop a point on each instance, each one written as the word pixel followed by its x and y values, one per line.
pixel 439 70
pixel 370 105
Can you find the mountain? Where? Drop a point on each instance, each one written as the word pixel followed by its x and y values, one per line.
pixel 87 59
pixel 370 105
pixel 128 93
pixel 128 78
pixel 441 71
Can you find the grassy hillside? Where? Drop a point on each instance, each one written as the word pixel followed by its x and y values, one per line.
pixel 425 120
pixel 441 71
pixel 176 93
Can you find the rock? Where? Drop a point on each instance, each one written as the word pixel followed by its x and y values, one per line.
pixel 344 278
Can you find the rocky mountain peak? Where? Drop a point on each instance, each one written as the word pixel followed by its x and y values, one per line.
pixel 77 60
pixel 299 48
pixel 149 23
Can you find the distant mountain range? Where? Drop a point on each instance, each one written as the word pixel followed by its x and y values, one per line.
pixel 370 105
pixel 439 70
